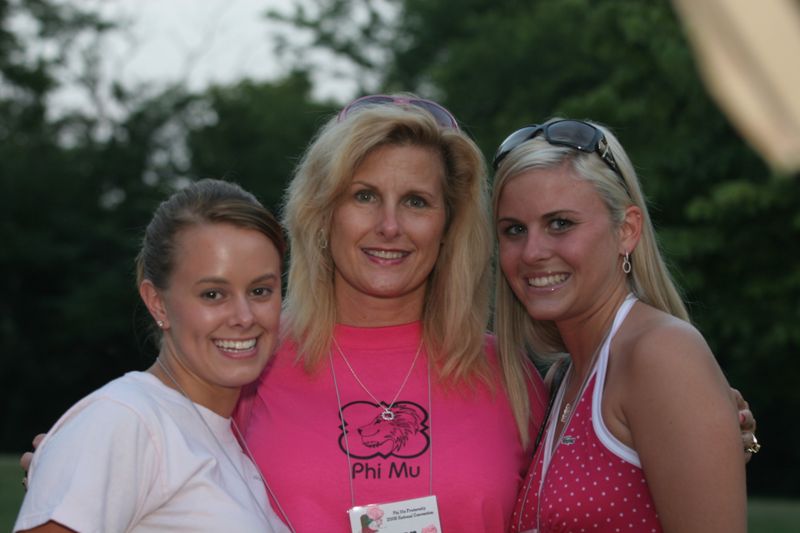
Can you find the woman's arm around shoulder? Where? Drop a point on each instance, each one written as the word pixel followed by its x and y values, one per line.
pixel 683 425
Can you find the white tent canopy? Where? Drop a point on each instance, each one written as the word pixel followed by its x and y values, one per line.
pixel 748 52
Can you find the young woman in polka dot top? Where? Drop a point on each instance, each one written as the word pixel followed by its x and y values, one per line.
pixel 642 431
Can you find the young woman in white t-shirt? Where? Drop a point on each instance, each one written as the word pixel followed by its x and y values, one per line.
pixel 157 450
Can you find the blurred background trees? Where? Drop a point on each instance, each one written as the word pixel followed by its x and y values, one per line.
pixel 78 189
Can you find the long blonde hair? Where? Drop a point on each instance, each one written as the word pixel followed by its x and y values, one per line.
pixel 649 279
pixel 455 314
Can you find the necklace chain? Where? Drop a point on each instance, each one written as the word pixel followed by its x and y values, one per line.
pixel 387 413
pixel 242 442
pixel 344 425
pixel 566 412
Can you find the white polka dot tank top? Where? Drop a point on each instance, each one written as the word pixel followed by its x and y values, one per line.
pixel 593 483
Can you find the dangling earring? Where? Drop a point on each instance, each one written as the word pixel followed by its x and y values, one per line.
pixel 626 263
pixel 322 240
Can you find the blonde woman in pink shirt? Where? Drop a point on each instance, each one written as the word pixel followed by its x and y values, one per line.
pixel 386 389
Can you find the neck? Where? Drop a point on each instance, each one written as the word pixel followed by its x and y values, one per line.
pixel 175 377
pixel 361 310
pixel 582 335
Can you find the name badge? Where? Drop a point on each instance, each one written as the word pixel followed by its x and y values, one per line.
pixel 418 515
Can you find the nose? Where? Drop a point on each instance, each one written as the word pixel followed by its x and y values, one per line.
pixel 242 313
pixel 388 221
pixel 536 248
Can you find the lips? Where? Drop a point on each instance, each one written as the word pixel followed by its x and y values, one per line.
pixel 549 280
pixel 236 346
pixel 385 254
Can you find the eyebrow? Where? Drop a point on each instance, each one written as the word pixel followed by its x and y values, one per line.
pixel 222 281
pixel 362 183
pixel 550 214
pixel 560 212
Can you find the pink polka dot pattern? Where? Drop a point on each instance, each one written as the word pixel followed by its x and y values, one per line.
pixel 587 488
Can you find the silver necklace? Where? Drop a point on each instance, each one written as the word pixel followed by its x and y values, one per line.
pixel 566 412
pixel 246 449
pixel 387 413
pixel 347 442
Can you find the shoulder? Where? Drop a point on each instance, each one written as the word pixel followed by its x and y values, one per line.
pixel 124 405
pixel 655 355
pixel 134 389
pixel 107 425
pixel 133 392
pixel 652 341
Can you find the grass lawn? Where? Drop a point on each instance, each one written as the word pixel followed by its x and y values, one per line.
pixel 11 491
pixel 773 516
pixel 765 515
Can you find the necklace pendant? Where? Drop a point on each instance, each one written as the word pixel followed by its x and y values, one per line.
pixel 565 413
pixel 387 414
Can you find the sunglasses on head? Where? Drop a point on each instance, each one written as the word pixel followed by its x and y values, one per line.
pixel 443 117
pixel 575 134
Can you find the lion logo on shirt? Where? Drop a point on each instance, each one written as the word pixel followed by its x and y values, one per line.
pixel 370 435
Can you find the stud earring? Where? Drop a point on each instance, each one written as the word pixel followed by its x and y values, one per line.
pixel 160 323
pixel 626 263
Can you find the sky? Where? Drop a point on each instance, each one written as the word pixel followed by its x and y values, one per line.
pixel 197 41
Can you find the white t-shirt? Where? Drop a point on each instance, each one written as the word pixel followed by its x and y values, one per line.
pixel 135 456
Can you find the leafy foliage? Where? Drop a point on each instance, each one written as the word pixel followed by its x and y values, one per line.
pixel 257 133
pixel 77 203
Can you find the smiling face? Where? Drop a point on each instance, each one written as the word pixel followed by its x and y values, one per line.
pixel 558 249
pixel 220 311
pixel 386 232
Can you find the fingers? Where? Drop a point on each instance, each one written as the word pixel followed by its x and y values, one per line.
pixel 747 425
pixel 25 461
pixel 747 422
pixel 27 457
pixel 741 403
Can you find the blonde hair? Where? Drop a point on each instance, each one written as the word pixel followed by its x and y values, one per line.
pixel 455 314
pixel 649 279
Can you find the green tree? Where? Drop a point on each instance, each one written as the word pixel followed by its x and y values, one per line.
pixel 81 187
pixel 255 133
pixel 70 234
pixel 48 197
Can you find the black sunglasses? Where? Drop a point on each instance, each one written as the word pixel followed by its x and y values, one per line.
pixel 575 134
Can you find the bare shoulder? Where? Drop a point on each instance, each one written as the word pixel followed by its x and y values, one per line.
pixel 655 356
pixel 653 341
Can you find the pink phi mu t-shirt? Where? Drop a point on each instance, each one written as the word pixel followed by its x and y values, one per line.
pixel 468 436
